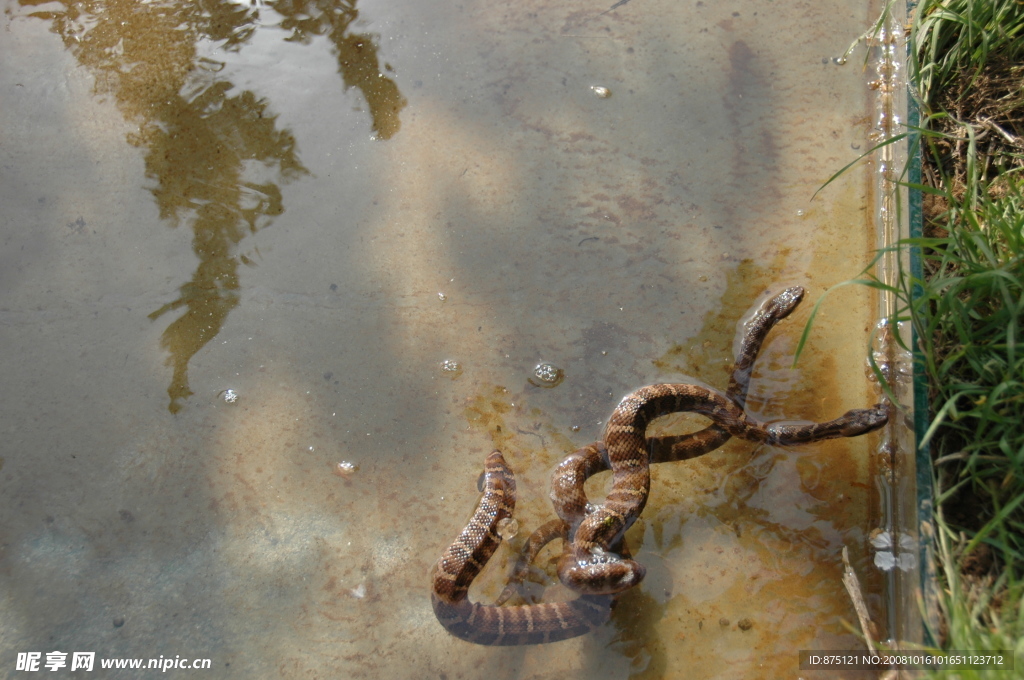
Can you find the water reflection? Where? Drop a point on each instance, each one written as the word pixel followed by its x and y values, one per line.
pixel 218 157
pixel 356 54
pixel 198 150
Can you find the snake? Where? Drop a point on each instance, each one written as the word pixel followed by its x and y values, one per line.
pixel 595 561
pixel 463 560
pixel 567 492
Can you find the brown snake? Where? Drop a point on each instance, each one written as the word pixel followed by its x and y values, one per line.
pixel 596 561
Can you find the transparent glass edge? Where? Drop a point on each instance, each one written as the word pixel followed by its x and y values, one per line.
pixel 904 472
pixel 927 601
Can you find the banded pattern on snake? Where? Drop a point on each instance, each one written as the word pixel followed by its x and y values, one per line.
pixel 596 561
pixel 462 561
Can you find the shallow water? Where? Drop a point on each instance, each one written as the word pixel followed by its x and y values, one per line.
pixel 314 206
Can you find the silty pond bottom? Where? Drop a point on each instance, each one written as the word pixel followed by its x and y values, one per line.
pixel 242 240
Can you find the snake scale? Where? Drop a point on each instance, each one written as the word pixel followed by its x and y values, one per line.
pixel 596 561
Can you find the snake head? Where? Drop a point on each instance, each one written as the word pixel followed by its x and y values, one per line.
pixel 863 420
pixel 599 573
pixel 785 302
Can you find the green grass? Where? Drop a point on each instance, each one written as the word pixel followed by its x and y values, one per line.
pixel 969 319
pixel 968 312
pixel 970 328
pixel 956 37
pixel 973 620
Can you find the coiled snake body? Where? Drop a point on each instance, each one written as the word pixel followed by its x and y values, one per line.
pixel 596 561
pixel 462 561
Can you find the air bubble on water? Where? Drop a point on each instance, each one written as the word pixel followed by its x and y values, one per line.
pixel 451 368
pixel 800 213
pixel 546 375
pixel 507 527
pixel 442 297
pixel 345 469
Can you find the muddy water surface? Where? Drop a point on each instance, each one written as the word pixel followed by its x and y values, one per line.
pixel 240 240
